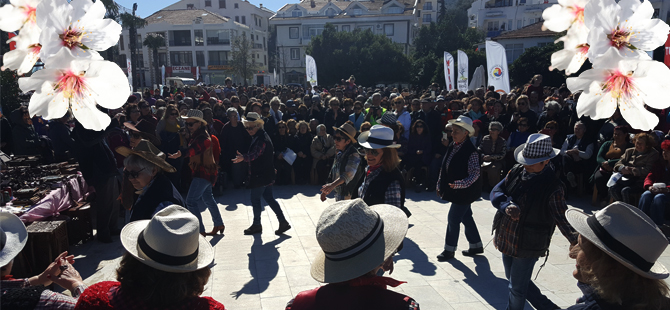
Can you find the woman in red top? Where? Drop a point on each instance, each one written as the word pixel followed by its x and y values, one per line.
pixel 203 150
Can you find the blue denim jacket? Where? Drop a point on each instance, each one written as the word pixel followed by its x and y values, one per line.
pixel 591 301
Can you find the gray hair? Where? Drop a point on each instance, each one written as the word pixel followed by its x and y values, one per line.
pixel 189 101
pixel 275 99
pixel 553 105
pixel 496 125
pixel 231 110
pixel 137 163
pixel 320 127
pixel 378 95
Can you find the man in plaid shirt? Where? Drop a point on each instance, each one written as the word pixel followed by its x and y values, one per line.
pixel 530 203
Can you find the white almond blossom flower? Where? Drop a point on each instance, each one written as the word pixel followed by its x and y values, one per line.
pixel 79 26
pixel 626 27
pixel 23 58
pixel 18 15
pixel 572 56
pixel 559 17
pixel 77 84
pixel 626 83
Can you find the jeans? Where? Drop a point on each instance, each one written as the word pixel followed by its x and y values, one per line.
pixel 654 206
pixel 518 272
pixel 266 192
pixel 461 214
pixel 200 193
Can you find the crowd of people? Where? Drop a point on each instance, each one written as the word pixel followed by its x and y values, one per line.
pixel 168 153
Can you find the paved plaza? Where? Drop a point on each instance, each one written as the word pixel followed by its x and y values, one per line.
pixel 265 271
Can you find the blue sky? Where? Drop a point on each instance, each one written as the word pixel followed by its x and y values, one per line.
pixel 148 7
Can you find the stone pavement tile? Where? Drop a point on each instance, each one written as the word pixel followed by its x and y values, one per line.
pixel 453 291
pixel 269 269
pixel 275 303
pixel 300 276
pixel 427 297
pixel 293 257
pixel 471 306
pixel 274 287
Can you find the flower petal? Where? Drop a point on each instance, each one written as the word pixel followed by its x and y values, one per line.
pixel 595 103
pixel 102 34
pixel 48 104
pixel 651 80
pixel 85 111
pixel 636 115
pixel 557 18
pixel 650 34
pixel 108 84
pixel 37 79
pixel 21 60
pixel 603 13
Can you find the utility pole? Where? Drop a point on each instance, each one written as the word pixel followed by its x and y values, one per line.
pixel 132 32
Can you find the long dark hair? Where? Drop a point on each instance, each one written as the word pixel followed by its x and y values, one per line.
pixel 425 128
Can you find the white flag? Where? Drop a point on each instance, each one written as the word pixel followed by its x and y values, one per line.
pixel 478 78
pixel 496 62
pixel 197 73
pixel 462 80
pixel 310 70
pixel 163 74
pixel 449 70
pixel 130 73
pixel 274 81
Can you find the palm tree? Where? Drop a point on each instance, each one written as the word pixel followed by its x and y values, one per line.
pixel 112 12
pixel 154 42
pixel 132 23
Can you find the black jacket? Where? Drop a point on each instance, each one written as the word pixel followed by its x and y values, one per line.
pixel 160 191
pixel 458 170
pixel 96 160
pixel 262 169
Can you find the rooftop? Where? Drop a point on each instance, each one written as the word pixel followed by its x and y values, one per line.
pixel 374 6
pixel 530 31
pixel 185 17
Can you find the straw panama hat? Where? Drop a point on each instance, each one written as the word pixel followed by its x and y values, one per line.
pixel 463 122
pixel 13 237
pixel 150 152
pixel 378 137
pixel 170 241
pixel 626 234
pixel 253 117
pixel 347 130
pixel 196 115
pixel 356 238
pixel 536 149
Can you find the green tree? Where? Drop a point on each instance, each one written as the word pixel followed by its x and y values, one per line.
pixel 370 57
pixel 9 94
pixel 154 42
pixel 536 60
pixel 242 63
pixel 132 23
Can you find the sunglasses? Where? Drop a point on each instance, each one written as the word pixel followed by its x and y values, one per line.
pixel 448 131
pixel 365 128
pixel 371 152
pixel 522 103
pixel 338 138
pixel 132 174
pixel 494 129
pixel 135 135
pixel 190 124
pixel 357 108
pixel 250 128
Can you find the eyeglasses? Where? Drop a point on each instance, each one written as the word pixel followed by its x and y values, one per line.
pixel 132 174
pixel 523 125
pixel 190 124
pixel 371 152
pixel 250 128
pixel 338 138
pixel 522 103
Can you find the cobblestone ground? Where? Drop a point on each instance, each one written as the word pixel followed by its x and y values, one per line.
pixel 265 271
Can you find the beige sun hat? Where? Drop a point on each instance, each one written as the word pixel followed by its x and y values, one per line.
pixel 13 237
pixel 356 238
pixel 253 117
pixel 626 234
pixel 196 115
pixel 463 122
pixel 150 152
pixel 170 241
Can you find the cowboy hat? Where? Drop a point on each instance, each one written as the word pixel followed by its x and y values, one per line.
pixel 196 115
pixel 347 130
pixel 463 122
pixel 149 152
pixel 13 237
pixel 626 234
pixel 145 129
pixel 536 149
pixel 356 238
pixel 378 137
pixel 170 241
pixel 253 117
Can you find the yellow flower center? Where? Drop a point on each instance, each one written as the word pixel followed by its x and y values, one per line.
pixel 71 84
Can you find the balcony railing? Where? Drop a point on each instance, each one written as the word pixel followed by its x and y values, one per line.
pixel 258 46
pixel 218 62
pixel 217 41
pixel 493 33
pixel 180 42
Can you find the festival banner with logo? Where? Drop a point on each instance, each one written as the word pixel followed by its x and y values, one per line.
pixel 449 70
pixel 130 73
pixel 274 81
pixel 310 70
pixel 197 73
pixel 496 62
pixel 462 80
pixel 163 74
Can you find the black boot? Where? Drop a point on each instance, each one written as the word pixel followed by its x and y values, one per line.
pixel 253 229
pixel 473 251
pixel 445 256
pixel 283 227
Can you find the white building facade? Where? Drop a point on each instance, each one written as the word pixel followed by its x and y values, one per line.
pixel 297 23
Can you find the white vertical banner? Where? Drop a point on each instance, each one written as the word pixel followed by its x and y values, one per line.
pixel 130 73
pixel 496 62
pixel 197 73
pixel 462 80
pixel 274 80
pixel 163 74
pixel 310 70
pixel 449 70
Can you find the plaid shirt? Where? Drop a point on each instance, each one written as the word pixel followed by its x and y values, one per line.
pixel 506 239
pixel 48 299
pixel 393 192
pixel 352 165
pixel 473 169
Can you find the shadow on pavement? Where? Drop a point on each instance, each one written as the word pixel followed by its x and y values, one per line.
pixel 263 265
pixel 420 262
pixel 493 289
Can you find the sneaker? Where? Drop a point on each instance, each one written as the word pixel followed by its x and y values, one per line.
pixel 253 229
pixel 445 256
pixel 473 251
pixel 572 179
pixel 283 227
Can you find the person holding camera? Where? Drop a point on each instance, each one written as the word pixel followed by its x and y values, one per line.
pixel 657 193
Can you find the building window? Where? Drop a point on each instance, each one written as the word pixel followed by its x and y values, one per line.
pixel 503 26
pixel 531 21
pixel 199 40
pixel 358 11
pixel 395 10
pixel 493 26
pixel 265 60
pixel 293 32
pixel 181 58
pixel 244 20
pixel 365 28
pixel 180 37
pixel 123 61
pixel 519 23
pixel 121 45
pixel 427 18
pixel 295 54
pixel 330 12
pixel 222 4
pixel 218 37
pixel 388 29
pixel 162 59
pixel 237 5
pixel 218 58
pixel 237 19
pixel 296 13
pixel 346 28
pixel 200 58
pixel 313 32
pixel 428 6
pixel 513 51
pixel 208 2
pixel 190 6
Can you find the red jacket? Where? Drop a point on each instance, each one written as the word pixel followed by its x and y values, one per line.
pixel 658 174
